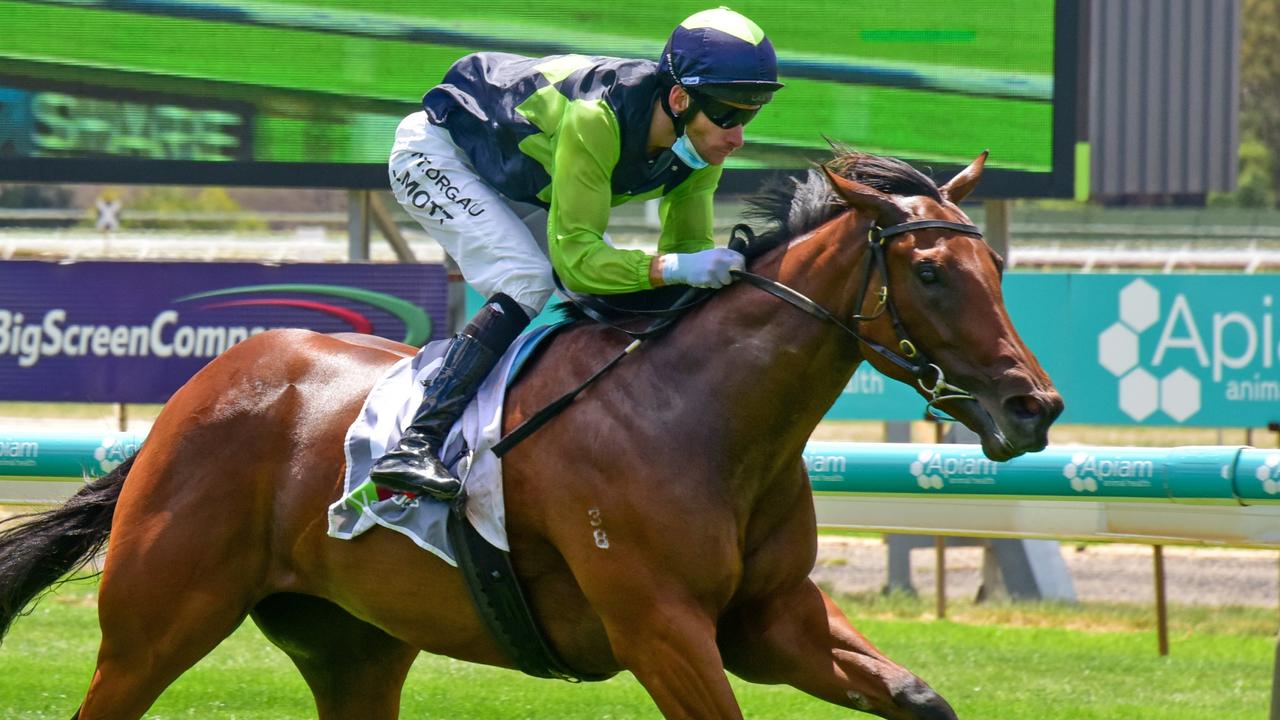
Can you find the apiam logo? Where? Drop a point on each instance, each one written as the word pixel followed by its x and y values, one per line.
pixel 417 324
pixel 1232 352
pixel 1177 394
pixel 1269 474
pixel 927 479
pixel 932 470
pixel 1072 472
pixel 1087 472
pixel 111 453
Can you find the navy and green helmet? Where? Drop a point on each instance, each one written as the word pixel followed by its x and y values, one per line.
pixel 724 55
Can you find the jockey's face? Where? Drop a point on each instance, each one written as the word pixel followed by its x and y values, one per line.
pixel 713 143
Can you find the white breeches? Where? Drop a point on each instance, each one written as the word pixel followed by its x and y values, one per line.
pixel 499 244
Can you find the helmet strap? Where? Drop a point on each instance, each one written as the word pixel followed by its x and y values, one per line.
pixel 677 119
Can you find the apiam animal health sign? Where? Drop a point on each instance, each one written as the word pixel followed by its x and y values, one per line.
pixel 1138 349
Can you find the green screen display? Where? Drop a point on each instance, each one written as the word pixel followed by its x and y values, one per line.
pixel 131 88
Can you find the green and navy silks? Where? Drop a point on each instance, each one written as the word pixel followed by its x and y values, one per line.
pixel 570 133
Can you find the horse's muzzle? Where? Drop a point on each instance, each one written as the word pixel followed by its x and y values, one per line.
pixel 1028 417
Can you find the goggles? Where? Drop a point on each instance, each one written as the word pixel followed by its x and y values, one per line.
pixel 722 114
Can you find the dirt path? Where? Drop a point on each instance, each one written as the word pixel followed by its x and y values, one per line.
pixel 1100 572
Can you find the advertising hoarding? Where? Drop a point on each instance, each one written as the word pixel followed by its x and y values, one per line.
pixel 136 331
pixel 1123 349
pixel 308 92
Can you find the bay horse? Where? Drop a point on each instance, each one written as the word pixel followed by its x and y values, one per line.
pixel 687 457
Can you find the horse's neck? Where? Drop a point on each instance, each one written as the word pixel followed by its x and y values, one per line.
pixel 780 368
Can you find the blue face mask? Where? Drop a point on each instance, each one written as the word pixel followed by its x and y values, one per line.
pixel 684 150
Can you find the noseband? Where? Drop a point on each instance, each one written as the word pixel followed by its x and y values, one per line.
pixel 909 357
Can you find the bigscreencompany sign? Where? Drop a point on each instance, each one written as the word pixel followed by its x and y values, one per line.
pixel 1193 349
pixel 135 332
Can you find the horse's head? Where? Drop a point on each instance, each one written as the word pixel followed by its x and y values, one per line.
pixel 943 322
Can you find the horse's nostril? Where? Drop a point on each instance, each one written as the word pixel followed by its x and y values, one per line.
pixel 1024 407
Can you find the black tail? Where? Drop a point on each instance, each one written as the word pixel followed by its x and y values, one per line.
pixel 38 549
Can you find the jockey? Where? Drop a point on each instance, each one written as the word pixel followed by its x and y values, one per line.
pixel 514 163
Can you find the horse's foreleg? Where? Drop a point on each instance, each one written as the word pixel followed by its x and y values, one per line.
pixel 672 652
pixel 801 638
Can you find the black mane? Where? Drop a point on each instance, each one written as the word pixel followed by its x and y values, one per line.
pixel 792 206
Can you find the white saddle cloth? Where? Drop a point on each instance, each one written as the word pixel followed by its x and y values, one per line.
pixel 387 410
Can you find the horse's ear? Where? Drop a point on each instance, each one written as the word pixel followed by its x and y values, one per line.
pixel 864 198
pixel 959 187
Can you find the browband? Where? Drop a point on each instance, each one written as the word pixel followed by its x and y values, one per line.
pixel 906 227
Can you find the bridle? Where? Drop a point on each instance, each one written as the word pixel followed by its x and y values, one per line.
pixel 908 357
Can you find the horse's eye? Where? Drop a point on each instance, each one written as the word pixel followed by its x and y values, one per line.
pixel 927 272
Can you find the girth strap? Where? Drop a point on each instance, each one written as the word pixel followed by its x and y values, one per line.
pixel 501 604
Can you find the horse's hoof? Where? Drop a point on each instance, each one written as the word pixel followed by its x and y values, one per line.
pixel 921 702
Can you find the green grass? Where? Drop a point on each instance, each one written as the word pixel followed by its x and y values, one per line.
pixel 1025 662
pixel 1093 617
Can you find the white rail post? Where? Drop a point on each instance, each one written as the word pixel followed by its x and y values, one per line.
pixel 996 230
pixel 357 224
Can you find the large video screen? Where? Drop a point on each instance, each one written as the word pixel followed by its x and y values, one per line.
pixel 309 92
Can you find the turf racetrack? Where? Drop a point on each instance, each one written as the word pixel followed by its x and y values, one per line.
pixel 988 672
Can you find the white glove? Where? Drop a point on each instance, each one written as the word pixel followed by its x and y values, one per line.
pixel 706 269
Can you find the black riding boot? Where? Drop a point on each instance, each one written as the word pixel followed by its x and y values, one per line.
pixel 414 466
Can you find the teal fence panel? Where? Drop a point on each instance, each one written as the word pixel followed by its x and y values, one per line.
pixel 1198 475
pixel 64 455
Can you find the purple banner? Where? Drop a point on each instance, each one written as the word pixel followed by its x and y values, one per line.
pixel 136 331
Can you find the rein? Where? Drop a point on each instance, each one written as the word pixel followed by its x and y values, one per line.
pixel 602 311
pixel 911 358
pixel 599 310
